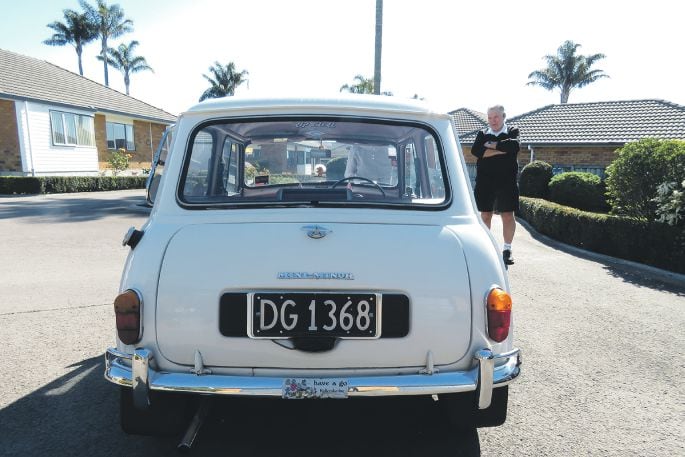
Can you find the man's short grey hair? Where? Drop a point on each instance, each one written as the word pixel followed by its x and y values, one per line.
pixel 498 108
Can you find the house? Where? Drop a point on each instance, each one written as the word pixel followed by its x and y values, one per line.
pixel 580 136
pixel 55 122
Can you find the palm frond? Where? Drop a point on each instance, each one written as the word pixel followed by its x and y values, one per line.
pixel 567 70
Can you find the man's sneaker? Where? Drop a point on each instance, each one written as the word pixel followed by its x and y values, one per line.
pixel 507 257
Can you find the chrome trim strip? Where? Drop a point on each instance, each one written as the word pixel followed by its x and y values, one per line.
pixel 118 370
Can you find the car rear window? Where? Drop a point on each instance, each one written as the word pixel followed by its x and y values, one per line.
pixel 313 161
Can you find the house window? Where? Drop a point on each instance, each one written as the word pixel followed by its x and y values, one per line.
pixel 69 129
pixel 120 136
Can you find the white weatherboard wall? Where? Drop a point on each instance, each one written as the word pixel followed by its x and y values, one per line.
pixel 39 156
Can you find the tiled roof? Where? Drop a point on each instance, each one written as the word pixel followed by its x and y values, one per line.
pixel 467 120
pixel 598 123
pixel 26 78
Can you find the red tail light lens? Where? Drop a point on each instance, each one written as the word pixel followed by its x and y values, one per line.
pixel 127 308
pixel 499 314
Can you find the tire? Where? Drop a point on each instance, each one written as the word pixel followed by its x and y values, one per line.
pixel 463 412
pixel 167 414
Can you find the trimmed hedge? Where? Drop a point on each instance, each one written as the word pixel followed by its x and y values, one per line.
pixel 534 179
pixel 66 184
pixel 650 243
pixel 580 190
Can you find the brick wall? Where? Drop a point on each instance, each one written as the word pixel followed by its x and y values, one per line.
pixel 101 141
pixel 10 155
pixel 147 137
pixel 145 146
pixel 561 155
pixel 577 156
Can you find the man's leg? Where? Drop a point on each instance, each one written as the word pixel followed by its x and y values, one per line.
pixel 487 217
pixel 508 227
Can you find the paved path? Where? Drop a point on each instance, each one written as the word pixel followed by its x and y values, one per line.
pixel 602 339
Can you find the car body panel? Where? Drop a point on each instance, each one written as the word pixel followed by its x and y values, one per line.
pixel 438 254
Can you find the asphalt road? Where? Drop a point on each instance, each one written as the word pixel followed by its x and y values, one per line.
pixel 603 348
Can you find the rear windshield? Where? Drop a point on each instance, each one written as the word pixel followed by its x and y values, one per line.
pixel 313 161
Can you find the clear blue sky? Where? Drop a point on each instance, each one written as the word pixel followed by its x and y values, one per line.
pixel 453 53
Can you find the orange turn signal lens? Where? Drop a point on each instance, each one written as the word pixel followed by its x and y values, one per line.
pixel 499 300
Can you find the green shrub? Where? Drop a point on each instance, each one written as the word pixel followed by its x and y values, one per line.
pixel 65 184
pixel 578 189
pixel 283 179
pixel 648 242
pixel 335 168
pixel 670 202
pixel 534 179
pixel 640 167
pixel 119 161
pixel 20 185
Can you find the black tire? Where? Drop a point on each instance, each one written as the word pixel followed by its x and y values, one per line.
pixel 167 414
pixel 462 409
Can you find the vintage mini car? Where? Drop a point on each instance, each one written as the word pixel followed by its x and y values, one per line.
pixel 258 274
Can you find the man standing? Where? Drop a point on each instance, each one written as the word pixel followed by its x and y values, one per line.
pixel 497 148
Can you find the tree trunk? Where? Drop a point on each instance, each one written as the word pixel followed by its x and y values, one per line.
pixel 79 50
pixel 378 48
pixel 104 60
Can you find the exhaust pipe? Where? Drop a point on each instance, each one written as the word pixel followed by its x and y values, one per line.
pixel 195 424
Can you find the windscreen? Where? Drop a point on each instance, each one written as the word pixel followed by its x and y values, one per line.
pixel 313 161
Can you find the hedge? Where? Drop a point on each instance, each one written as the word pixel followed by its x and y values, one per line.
pixel 648 242
pixel 534 179
pixel 65 184
pixel 578 189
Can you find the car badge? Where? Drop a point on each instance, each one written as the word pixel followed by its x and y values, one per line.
pixel 316 231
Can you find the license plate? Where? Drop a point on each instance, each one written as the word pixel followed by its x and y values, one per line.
pixel 340 315
pixel 301 388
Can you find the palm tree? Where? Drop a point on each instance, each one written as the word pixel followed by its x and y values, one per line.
pixel 363 86
pixel 378 48
pixel 110 24
pixel 76 30
pixel 566 70
pixel 124 60
pixel 224 80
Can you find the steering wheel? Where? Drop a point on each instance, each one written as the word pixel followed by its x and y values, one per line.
pixel 350 178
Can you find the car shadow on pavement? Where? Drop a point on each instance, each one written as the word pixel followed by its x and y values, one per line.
pixel 78 414
pixel 630 272
pixel 60 208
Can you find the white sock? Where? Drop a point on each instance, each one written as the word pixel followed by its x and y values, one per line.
pixel 506 247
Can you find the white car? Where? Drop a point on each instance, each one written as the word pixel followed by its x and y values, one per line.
pixel 260 275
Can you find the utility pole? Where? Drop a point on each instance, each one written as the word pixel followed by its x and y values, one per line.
pixel 379 46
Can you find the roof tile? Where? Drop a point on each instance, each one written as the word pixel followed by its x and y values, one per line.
pixel 598 122
pixel 26 78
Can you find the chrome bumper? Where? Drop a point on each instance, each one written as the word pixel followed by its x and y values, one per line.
pixel 134 370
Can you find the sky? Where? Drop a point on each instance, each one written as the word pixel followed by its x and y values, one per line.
pixel 454 54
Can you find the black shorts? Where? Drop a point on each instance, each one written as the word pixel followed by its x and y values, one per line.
pixel 500 195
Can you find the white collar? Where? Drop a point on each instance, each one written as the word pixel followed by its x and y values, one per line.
pixel 502 130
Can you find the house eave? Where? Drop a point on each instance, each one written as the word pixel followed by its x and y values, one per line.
pixel 88 108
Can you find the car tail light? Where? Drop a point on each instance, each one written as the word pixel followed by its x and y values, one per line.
pixel 499 314
pixel 127 309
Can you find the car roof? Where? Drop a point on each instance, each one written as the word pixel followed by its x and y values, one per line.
pixel 326 104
